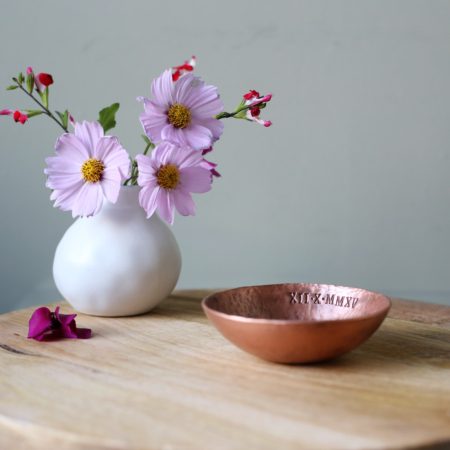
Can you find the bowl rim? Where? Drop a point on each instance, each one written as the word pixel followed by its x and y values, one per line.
pixel 233 317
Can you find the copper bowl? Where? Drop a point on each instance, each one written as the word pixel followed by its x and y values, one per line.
pixel 296 323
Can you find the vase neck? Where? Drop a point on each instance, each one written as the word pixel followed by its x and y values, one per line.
pixel 128 198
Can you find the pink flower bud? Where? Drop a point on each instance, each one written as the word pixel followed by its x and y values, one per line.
pixel 29 70
pixel 6 112
pixel 259 100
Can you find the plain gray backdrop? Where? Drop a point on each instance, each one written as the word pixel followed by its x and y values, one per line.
pixel 349 186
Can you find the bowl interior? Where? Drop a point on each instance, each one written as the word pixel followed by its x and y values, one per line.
pixel 298 302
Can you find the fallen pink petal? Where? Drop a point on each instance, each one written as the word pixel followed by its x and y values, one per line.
pixel 45 325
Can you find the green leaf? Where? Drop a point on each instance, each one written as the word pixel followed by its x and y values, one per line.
pixel 30 82
pixel 44 97
pixel 33 112
pixel 20 78
pixel 12 87
pixel 64 117
pixel 107 116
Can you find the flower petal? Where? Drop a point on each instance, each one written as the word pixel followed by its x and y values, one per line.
pixel 40 322
pixel 72 148
pixel 113 155
pixel 70 330
pixel 145 169
pixel 89 134
pixel 61 164
pixel 216 126
pixel 148 197
pixel 184 203
pixel 89 200
pixel 165 205
pixel 195 179
pixel 65 198
pixel 162 154
pixel 173 135
pixel 110 183
pixel 185 86
pixel 153 123
pixel 67 323
pixel 208 109
pixel 189 158
pixel 83 333
pixel 63 181
pixel 162 89
pixel 207 95
pixel 198 137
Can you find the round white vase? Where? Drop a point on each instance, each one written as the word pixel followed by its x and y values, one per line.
pixel 117 263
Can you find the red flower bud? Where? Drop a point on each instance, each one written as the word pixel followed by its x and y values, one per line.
pixel 19 117
pixel 179 71
pixel 45 79
pixel 251 94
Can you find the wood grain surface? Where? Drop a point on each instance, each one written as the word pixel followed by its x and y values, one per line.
pixel 168 380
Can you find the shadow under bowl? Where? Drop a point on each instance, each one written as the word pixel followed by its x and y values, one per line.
pixel 296 323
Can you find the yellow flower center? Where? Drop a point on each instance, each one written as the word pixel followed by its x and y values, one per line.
pixel 92 170
pixel 179 116
pixel 168 176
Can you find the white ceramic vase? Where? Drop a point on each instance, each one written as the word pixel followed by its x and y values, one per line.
pixel 117 263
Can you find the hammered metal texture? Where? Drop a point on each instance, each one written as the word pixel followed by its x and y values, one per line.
pixel 296 323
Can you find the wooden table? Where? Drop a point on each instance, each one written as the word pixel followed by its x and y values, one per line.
pixel 168 380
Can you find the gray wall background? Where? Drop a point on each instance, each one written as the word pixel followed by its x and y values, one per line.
pixel 350 185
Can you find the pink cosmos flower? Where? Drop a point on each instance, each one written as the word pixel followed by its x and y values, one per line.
pixel 182 112
pixel 45 325
pixel 87 169
pixel 168 177
pixel 179 71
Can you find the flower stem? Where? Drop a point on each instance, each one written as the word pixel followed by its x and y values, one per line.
pixel 132 181
pixel 46 110
pixel 226 115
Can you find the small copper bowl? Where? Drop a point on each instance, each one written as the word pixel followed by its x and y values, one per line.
pixel 296 323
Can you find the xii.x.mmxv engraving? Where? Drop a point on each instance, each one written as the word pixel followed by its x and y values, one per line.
pixel 306 298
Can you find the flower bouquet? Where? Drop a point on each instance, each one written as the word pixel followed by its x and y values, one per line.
pixel 118 262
